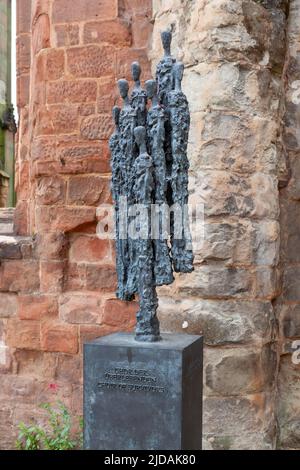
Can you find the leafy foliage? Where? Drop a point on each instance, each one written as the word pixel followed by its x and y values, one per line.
pixel 57 434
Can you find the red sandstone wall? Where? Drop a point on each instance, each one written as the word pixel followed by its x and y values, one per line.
pixel 59 290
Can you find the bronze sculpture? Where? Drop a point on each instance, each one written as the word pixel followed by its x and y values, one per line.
pixel 150 172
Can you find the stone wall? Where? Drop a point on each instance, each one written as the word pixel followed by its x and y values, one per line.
pixel 288 304
pixel 57 279
pixel 235 54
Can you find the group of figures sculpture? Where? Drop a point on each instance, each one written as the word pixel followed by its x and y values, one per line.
pixel 150 170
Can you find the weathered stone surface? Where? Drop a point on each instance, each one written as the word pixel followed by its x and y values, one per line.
pixel 40 33
pixel 24 17
pixel 111 314
pixel 50 191
pixel 216 282
pixel 291 287
pixel 52 276
pixel 67 35
pixel 10 278
pixel 10 247
pixel 96 127
pixel 36 307
pixel 90 61
pixel 23 54
pixel 72 91
pixel 89 249
pixel 220 322
pixel 116 33
pixel 63 219
pixel 107 95
pixel 290 320
pixel 244 242
pixel 88 190
pixel 35 363
pixel 80 308
pixel 54 64
pixel 239 372
pixel 57 120
pixel 101 277
pixel 228 423
pixel 64 11
pixel 59 337
pixel 23 334
pixel 8 305
pixel 290 236
pixel 288 413
pixel 229 195
pixel 51 245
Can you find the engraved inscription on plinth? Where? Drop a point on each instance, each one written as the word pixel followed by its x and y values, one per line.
pixel 130 380
pixel 143 396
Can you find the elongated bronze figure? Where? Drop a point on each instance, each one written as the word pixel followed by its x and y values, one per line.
pixel 150 187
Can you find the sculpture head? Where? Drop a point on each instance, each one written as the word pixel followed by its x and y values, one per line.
pixel 124 88
pixel 136 71
pixel 178 72
pixel 166 37
pixel 151 88
pixel 116 115
pixel 140 136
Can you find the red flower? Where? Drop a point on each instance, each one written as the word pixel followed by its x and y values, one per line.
pixel 53 387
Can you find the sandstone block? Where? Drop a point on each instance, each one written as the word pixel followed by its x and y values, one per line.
pixel 57 119
pixel 288 413
pixel 23 84
pixel 64 11
pixel 291 287
pixel 120 314
pixel 59 337
pixel 91 61
pixel 24 16
pixel 20 276
pixel 239 371
pixel 108 94
pixel 67 35
pixel 88 190
pixel 216 282
pixel 36 307
pixel 52 276
pixel 63 219
pixel 117 33
pixel 50 190
pixel 51 245
pixel 100 278
pixel 290 320
pixel 23 334
pixel 89 249
pixel 54 64
pixel 72 91
pixel 8 305
pixel 221 416
pixel 80 308
pixel 221 322
pixel 23 54
pixel 96 127
pixel 35 363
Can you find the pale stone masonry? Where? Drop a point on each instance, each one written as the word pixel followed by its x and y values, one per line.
pixel 57 279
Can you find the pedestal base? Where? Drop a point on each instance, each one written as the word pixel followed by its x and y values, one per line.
pixel 143 396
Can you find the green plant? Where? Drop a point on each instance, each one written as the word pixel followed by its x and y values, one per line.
pixel 57 434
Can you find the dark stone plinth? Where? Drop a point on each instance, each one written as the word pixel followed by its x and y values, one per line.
pixel 143 396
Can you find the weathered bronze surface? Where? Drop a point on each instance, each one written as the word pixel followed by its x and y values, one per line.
pixel 149 173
